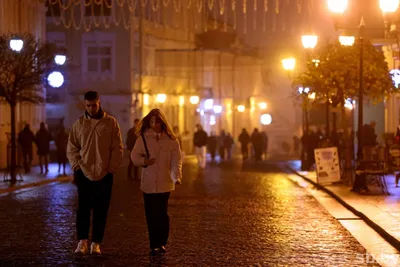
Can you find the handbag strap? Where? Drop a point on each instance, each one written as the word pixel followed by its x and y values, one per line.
pixel 145 146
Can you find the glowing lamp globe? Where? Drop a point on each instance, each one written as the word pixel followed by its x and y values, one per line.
pixel 60 59
pixel 266 119
pixel 161 98
pixel 309 41
pixel 55 79
pixel 194 99
pixel 337 6
pixel 389 6
pixel 16 45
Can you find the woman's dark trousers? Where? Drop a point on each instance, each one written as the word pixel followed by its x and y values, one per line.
pixel 156 209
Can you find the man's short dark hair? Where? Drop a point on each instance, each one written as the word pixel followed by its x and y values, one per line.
pixel 91 96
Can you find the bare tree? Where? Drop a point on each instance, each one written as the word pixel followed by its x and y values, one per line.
pixel 22 76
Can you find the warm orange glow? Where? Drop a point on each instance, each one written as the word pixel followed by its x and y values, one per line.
pixel 194 99
pixel 389 6
pixel 346 40
pixel 289 63
pixel 337 6
pixel 309 41
pixel 161 98
pixel 262 105
pixel 241 108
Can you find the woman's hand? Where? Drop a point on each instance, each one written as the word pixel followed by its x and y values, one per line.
pixel 149 162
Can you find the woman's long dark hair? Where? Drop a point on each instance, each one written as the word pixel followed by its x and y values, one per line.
pixel 144 124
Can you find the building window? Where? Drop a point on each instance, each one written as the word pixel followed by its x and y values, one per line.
pixel 99 59
pixel 57 38
pixel 99 9
pixel 98 55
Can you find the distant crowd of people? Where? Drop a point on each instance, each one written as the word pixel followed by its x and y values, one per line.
pixel 42 139
pixel 225 142
pixel 312 140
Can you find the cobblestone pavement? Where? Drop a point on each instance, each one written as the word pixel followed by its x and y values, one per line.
pixel 228 215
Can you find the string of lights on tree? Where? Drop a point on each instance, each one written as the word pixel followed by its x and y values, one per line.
pixel 241 15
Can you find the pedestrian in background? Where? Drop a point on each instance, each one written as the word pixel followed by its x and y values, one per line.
pixel 228 143
pixel 221 145
pixel 95 152
pixel 157 151
pixel 131 138
pixel 61 144
pixel 200 140
pixel 25 139
pixel 244 140
pixel 43 139
pixel 212 145
pixel 257 141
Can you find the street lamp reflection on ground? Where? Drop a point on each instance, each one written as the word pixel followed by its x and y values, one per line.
pixel 16 45
pixel 346 40
pixel 389 6
pixel 309 41
pixel 337 6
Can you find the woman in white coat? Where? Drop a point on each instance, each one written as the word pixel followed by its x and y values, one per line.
pixel 157 150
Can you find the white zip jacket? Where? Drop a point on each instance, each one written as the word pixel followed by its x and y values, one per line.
pixel 167 169
pixel 95 146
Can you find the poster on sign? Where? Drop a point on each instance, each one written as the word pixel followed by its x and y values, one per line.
pixel 327 165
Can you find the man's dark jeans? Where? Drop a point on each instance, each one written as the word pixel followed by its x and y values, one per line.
pixel 94 195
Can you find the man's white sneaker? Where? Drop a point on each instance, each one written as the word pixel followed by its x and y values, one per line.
pixel 95 248
pixel 82 247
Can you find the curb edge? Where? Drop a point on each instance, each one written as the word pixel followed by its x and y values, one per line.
pixel 34 184
pixel 382 232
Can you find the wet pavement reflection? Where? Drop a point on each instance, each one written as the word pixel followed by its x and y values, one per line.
pixel 226 215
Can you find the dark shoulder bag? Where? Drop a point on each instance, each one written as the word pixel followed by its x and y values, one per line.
pixel 147 150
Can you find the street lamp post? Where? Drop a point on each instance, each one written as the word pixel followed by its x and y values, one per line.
pixel 361 93
pixel 305 157
pixel 339 6
pixel 16 45
pixel 309 42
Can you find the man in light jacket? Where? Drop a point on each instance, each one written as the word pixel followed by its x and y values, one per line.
pixel 95 152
